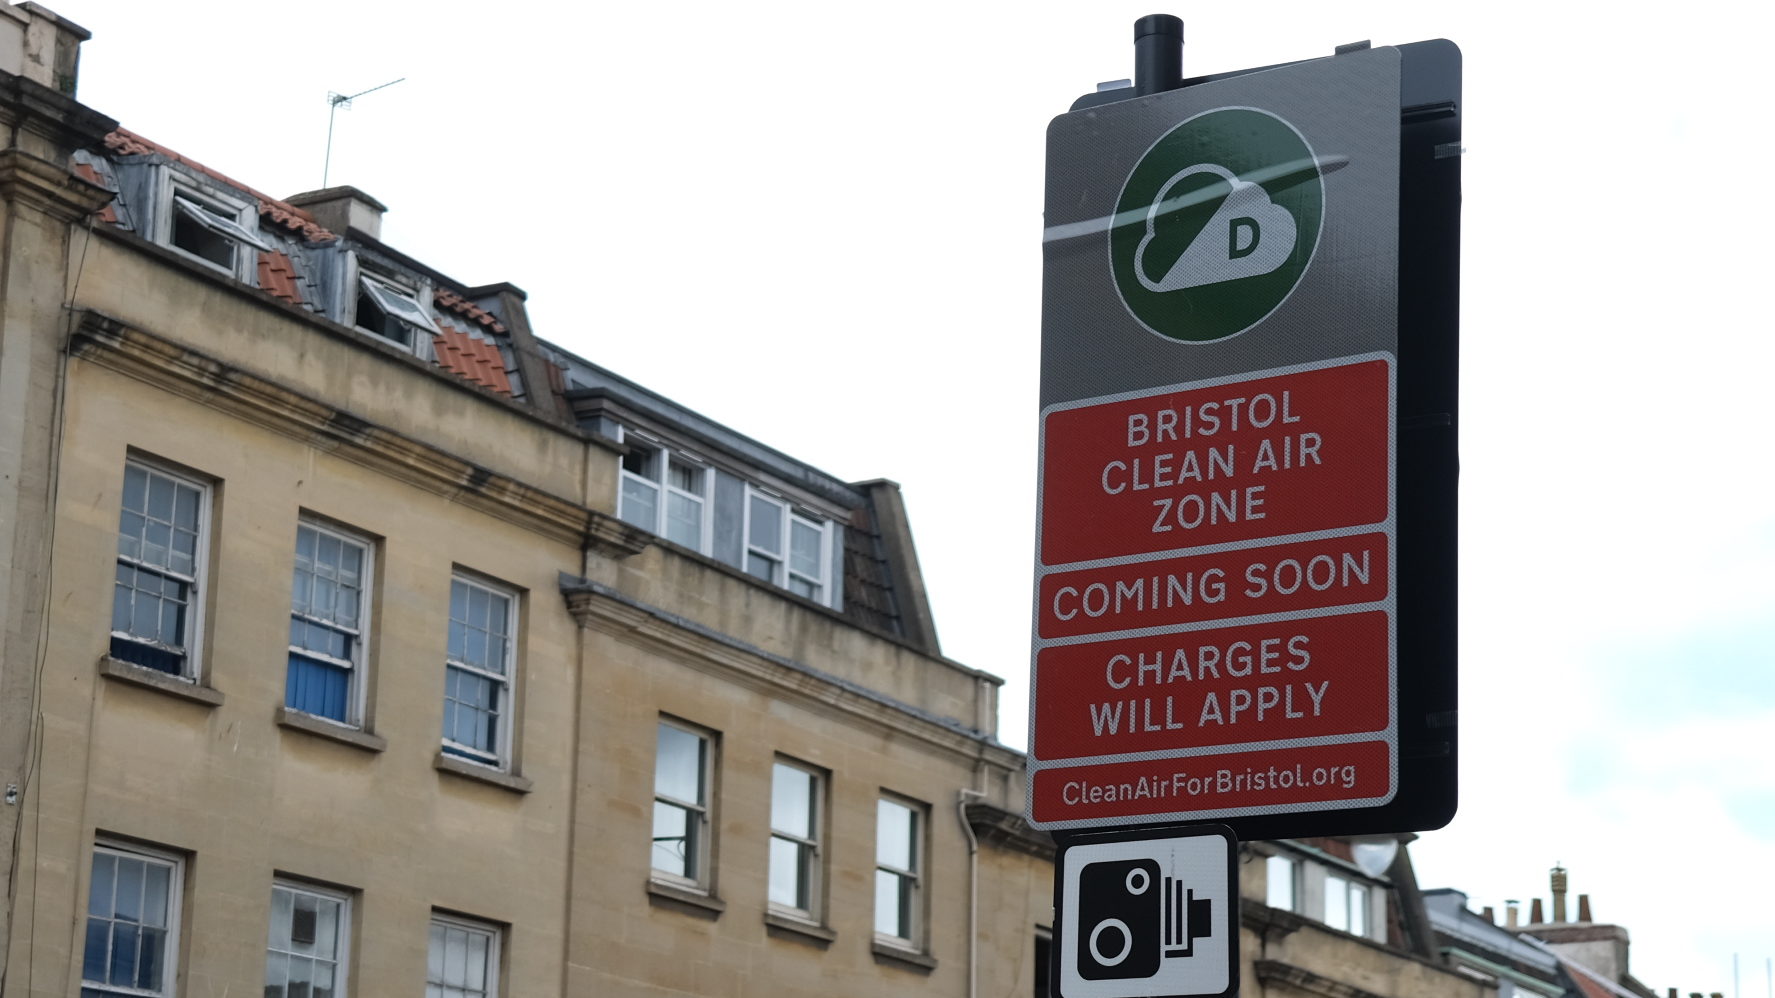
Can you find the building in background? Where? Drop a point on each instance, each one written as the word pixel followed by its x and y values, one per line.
pixel 357 640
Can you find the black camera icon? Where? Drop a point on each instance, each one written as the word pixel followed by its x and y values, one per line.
pixel 1131 919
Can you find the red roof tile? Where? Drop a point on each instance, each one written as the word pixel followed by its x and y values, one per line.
pixel 454 302
pixel 108 213
pixel 277 274
pixel 127 143
pixel 471 358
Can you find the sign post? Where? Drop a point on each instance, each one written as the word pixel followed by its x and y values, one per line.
pixel 1244 598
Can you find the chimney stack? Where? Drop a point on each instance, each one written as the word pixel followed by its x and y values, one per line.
pixel 1558 893
pixel 1584 909
pixel 1489 916
pixel 1535 912
pixel 339 209
pixel 41 46
pixel 1510 914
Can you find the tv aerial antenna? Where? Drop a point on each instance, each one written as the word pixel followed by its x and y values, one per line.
pixel 338 101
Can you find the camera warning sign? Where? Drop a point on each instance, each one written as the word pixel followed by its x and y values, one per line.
pixel 1153 913
pixel 1214 631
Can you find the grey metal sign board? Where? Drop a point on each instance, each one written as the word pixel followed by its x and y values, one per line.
pixel 1218 560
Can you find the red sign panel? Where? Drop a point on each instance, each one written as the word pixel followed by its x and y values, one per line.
pixel 1219 686
pixel 1260 458
pixel 1306 575
pixel 1213 620
pixel 1213 783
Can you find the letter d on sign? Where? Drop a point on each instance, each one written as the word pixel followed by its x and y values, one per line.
pixel 1233 249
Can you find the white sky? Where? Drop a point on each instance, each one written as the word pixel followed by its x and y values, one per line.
pixel 822 227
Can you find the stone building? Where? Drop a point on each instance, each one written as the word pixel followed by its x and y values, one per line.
pixel 358 640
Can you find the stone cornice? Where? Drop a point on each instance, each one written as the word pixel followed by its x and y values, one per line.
pixel 55 121
pixel 996 826
pixel 601 608
pixel 48 187
pixel 196 376
pixel 1272 972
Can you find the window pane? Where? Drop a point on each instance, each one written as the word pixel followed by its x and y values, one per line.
pixel 98 950
pixel 124 940
pixel 679 769
pixel 686 476
pixel 891 895
pixel 804 548
pixel 641 461
pixel 1359 909
pixel 672 840
pixel 434 955
pixel 767 526
pixel 788 873
pixel 1279 870
pixel 791 801
pixel 1337 902
pixel 476 976
pixel 104 873
pixel 129 890
pixel 893 834
pixel 640 504
pixel 760 566
pixel 154 892
pixel 684 520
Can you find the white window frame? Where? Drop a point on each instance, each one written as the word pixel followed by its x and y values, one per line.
pixel 192 669
pixel 1289 867
pixel 501 759
pixel 914 876
pixel 174 905
pixel 233 218
pixel 341 959
pixel 400 300
pixel 813 843
pixel 1353 899
pixel 699 814
pixel 781 573
pixel 665 455
pixel 495 937
pixel 357 697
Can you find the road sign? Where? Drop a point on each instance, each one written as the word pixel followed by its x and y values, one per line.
pixel 1152 913
pixel 1243 603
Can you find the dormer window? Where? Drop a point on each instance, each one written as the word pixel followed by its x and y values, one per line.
pixel 786 547
pixel 665 493
pixel 691 502
pixel 391 312
pixel 212 230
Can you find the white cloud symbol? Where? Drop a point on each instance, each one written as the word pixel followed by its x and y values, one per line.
pixel 1248 236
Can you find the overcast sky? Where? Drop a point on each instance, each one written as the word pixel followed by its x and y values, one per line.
pixel 823 227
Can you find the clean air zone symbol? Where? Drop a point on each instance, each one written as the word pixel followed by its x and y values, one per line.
pixel 1216 224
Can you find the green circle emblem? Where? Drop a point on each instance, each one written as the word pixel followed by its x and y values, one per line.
pixel 1216 224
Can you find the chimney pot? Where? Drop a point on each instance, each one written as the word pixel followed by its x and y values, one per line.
pixel 1535 912
pixel 1584 913
pixel 1558 878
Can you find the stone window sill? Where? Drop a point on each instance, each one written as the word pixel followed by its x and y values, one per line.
pixel 894 953
pixel 799 928
pixel 296 720
pixel 678 896
pixel 160 682
pixel 447 763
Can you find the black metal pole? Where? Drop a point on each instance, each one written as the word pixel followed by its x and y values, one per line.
pixel 1158 54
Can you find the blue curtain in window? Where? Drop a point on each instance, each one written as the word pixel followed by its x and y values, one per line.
pixel 317 688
